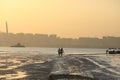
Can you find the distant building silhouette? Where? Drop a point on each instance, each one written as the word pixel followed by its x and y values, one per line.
pixel 44 40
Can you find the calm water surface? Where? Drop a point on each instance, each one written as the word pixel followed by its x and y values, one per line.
pixel 50 50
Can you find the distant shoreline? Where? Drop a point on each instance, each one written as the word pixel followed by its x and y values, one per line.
pixel 52 47
pixel 45 40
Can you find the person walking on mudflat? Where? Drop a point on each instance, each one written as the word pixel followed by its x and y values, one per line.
pixel 60 52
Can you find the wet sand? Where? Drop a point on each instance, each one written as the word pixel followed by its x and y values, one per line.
pixel 51 67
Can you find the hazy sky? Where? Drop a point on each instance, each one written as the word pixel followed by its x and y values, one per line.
pixel 67 18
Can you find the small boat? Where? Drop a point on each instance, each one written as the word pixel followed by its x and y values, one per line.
pixel 18 45
pixel 113 51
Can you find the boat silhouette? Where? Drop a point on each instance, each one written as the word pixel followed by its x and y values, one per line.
pixel 18 45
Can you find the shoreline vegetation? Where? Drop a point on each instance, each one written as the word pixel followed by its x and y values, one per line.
pixel 36 66
pixel 44 40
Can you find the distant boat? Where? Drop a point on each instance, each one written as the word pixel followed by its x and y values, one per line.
pixel 113 51
pixel 18 45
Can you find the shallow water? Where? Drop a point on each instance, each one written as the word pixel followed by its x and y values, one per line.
pixel 50 50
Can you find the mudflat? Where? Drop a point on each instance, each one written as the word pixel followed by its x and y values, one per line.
pixel 52 67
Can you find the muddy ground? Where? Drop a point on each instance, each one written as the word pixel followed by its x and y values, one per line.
pixel 68 67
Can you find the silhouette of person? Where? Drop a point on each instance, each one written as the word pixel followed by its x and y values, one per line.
pixel 59 52
pixel 62 51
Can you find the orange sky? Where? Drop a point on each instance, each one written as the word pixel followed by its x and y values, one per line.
pixel 66 18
